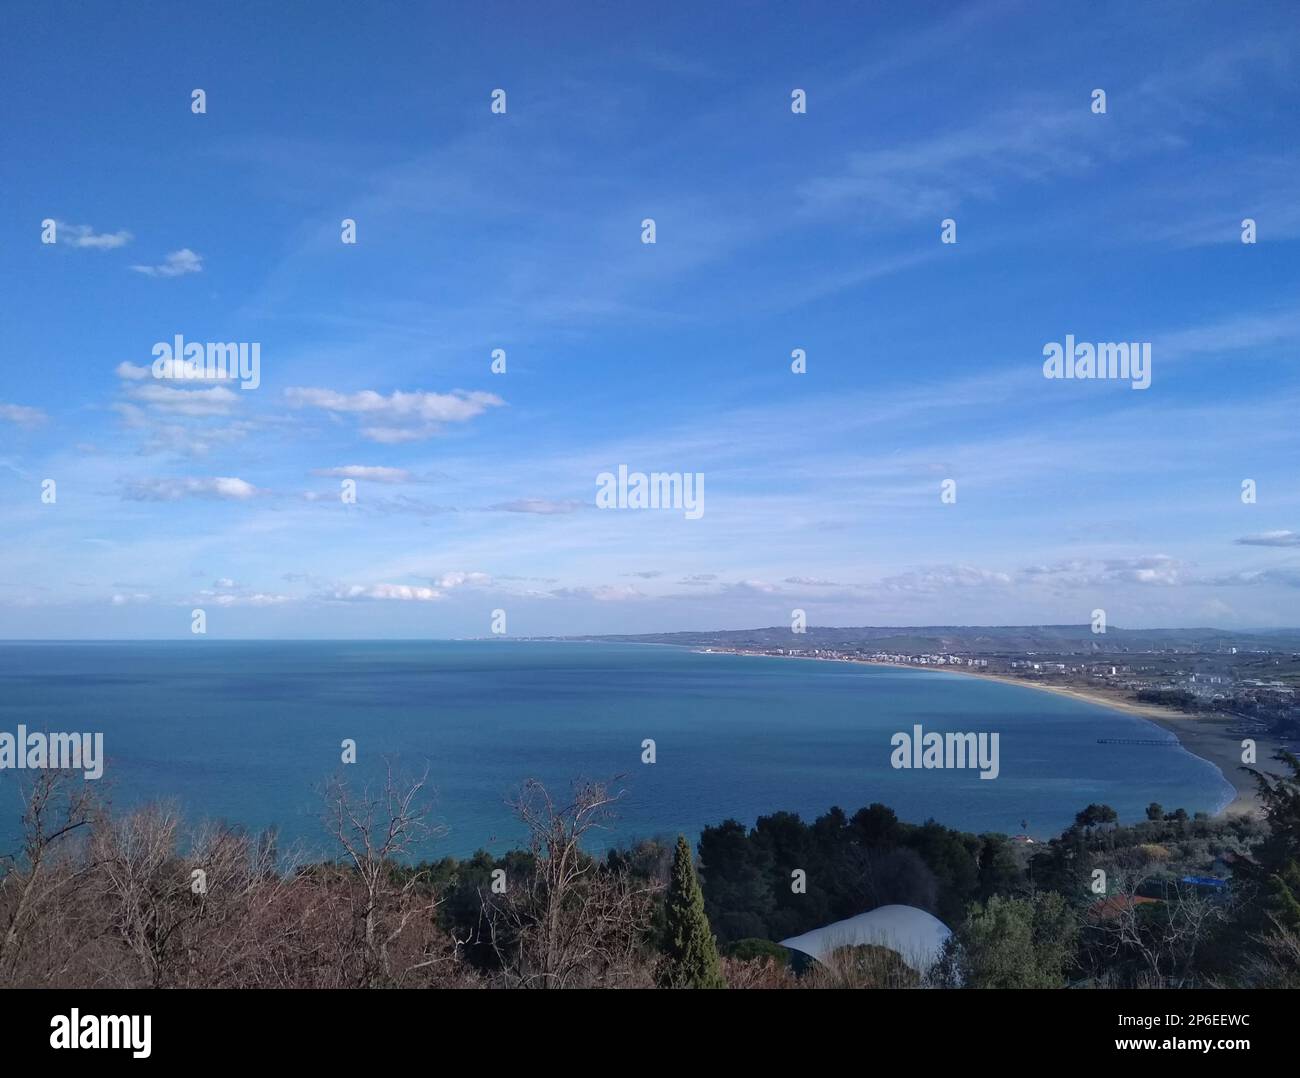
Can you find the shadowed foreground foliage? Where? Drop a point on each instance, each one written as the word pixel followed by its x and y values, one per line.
pixel 93 899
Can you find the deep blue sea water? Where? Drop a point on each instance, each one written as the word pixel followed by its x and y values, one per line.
pixel 248 732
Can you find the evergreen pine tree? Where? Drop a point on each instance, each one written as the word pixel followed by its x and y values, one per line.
pixel 1277 858
pixel 692 955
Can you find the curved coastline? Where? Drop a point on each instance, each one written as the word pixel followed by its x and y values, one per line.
pixel 1205 738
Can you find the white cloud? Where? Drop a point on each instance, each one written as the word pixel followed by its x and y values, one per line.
pixel 191 402
pixel 399 592
pixel 1287 576
pixel 22 415
pixel 173 370
pixel 375 473
pixel 178 437
pixel 257 598
pixel 541 506
pixel 943 578
pixel 604 593
pixel 760 586
pixel 226 488
pixel 699 578
pixel 459 580
pixel 173 411
pixel 398 417
pixel 454 407
pixel 397 435
pixel 176 264
pixel 1088 573
pixel 85 236
pixel 1274 538
pixel 1153 569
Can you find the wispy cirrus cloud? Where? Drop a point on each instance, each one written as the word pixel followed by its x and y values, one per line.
pixel 175 434
pixel 397 505
pixel 1255 332
pixel 1286 576
pixel 226 592
pixel 944 578
pixel 1156 570
pixel 545 507
pixel 601 593
pixel 1282 538
pixel 699 579
pixel 935 174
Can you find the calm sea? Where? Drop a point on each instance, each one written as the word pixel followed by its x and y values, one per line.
pixel 247 732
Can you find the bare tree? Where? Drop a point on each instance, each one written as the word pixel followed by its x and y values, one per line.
pixel 1273 961
pixel 862 966
pixel 375 831
pixel 763 972
pixel 232 935
pixel 143 884
pixel 569 923
pixel 1164 935
pixel 57 805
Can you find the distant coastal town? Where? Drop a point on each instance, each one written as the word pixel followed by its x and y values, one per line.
pixel 1260 705
pixel 1212 689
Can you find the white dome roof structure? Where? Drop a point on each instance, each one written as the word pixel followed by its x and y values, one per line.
pixel 916 936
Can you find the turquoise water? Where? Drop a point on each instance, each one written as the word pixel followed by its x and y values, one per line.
pixel 248 732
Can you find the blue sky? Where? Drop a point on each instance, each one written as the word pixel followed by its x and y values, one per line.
pixel 775 231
